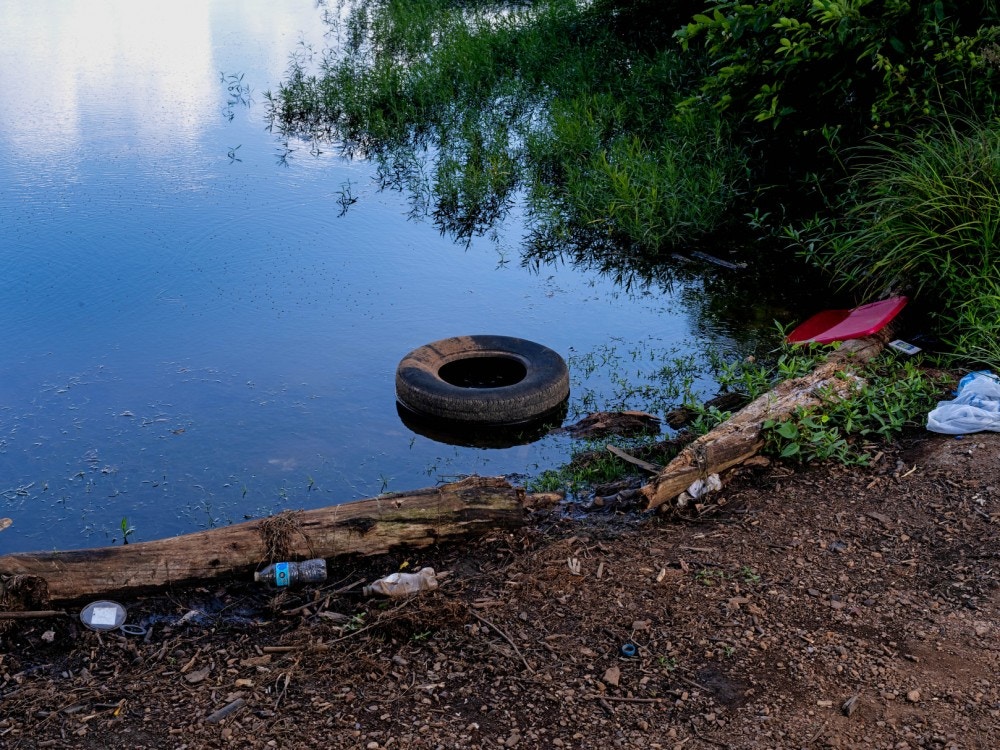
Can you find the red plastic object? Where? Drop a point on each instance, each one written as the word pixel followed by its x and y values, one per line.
pixel 840 325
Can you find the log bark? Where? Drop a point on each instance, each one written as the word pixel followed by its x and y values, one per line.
pixel 440 515
pixel 741 436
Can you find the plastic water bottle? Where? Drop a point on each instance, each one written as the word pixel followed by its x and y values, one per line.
pixel 284 574
pixel 403 584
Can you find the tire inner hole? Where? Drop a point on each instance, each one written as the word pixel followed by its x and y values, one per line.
pixel 493 371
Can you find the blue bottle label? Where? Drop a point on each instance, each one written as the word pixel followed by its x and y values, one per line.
pixel 281 574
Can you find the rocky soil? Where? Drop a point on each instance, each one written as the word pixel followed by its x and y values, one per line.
pixel 817 608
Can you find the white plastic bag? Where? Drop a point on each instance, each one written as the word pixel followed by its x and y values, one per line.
pixel 975 408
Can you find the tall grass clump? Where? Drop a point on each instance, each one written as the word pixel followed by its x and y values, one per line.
pixel 471 105
pixel 924 216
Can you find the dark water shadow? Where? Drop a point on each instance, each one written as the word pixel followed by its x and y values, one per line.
pixel 482 436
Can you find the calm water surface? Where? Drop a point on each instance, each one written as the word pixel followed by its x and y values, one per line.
pixel 191 333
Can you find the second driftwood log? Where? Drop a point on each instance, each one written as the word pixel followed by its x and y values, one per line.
pixel 741 436
pixel 439 515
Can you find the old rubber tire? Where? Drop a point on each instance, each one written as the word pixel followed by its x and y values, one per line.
pixel 482 380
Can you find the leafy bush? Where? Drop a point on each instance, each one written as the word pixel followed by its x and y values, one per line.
pixel 830 63
pixel 464 105
pixel 923 216
pixel 893 395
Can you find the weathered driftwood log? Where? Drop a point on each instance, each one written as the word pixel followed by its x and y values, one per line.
pixel 741 436
pixel 457 511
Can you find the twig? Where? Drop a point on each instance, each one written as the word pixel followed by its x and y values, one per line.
pixel 709 740
pixel 29 615
pixel 645 465
pixel 290 649
pixel 626 699
pixel 692 683
pixel 506 637
pixel 820 731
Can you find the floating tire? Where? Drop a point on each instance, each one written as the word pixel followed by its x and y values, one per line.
pixel 482 380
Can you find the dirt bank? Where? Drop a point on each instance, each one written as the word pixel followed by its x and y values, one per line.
pixel 820 608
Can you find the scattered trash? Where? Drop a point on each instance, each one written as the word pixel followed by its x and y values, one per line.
pixel 403 584
pixel 976 406
pixel 904 346
pixel 840 325
pixel 103 615
pixel 284 574
pixel 699 488
pixel 5 523
pixel 628 650
pixel 137 630
pixel 223 712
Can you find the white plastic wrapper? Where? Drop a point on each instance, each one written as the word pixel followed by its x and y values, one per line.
pixel 976 407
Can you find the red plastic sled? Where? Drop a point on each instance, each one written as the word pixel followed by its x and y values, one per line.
pixel 840 325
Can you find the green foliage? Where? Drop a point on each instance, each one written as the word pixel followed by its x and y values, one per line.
pixel 127 530
pixel 464 105
pixel 587 469
pixel 892 396
pixel 753 377
pixel 854 63
pixel 923 214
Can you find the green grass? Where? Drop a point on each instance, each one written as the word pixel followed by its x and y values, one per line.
pixel 923 216
pixel 468 106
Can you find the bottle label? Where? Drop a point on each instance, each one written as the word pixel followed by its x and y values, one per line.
pixel 281 575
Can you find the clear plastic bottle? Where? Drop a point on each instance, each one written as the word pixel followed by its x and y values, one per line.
pixel 403 584
pixel 284 574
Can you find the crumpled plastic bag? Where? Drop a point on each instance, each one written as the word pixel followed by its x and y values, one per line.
pixel 976 407
pixel 699 488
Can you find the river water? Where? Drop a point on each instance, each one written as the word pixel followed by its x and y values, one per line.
pixel 194 332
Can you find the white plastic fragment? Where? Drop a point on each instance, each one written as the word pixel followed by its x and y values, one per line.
pixel 976 407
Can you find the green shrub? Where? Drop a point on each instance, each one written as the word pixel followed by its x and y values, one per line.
pixel 464 106
pixel 894 394
pixel 829 63
pixel 923 216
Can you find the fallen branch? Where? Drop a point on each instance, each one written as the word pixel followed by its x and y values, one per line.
pixel 32 615
pixel 506 637
pixel 449 513
pixel 644 465
pixel 741 436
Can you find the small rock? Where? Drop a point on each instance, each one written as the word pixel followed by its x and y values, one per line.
pixel 913 696
pixel 612 676
pixel 850 705
pixel 194 678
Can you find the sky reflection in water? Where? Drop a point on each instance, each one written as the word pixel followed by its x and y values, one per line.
pixel 191 334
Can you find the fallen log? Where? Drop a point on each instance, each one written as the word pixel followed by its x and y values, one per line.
pixel 741 436
pixel 439 515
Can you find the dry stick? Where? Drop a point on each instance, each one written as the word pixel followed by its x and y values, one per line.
pixel 29 615
pixel 645 465
pixel 626 699
pixel 703 738
pixel 821 730
pixel 506 637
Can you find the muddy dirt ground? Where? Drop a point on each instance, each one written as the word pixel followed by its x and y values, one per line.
pixel 817 608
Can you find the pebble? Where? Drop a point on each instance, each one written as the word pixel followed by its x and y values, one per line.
pixel 612 676
pixel 913 696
